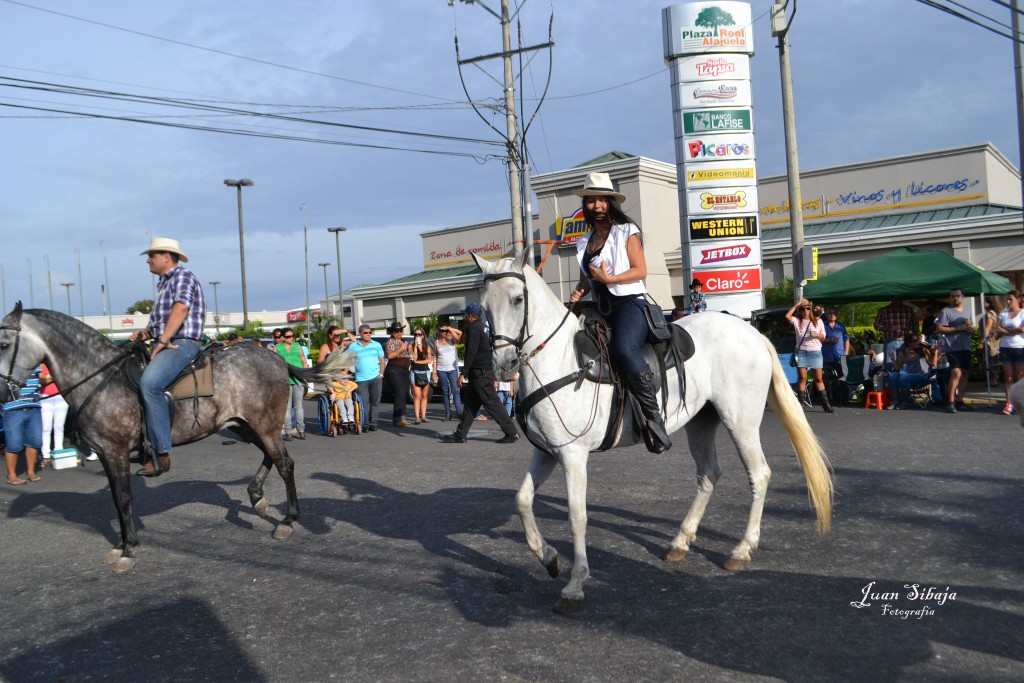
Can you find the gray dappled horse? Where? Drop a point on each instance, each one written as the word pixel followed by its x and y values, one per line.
pixel 251 391
pixel 734 371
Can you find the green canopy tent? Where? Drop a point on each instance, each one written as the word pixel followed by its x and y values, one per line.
pixel 911 274
pixel 908 273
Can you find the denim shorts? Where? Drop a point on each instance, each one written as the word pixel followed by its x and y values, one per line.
pixel 23 428
pixel 808 359
pixel 1011 356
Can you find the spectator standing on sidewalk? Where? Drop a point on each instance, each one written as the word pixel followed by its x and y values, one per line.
pixel 399 353
pixel 835 347
pixel 1010 329
pixel 291 351
pixel 369 371
pixel 957 327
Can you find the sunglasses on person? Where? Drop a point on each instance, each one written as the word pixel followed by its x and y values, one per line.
pixel 289 336
pixel 418 334
pixel 366 332
pixel 335 336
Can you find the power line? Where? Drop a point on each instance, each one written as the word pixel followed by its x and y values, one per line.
pixel 224 52
pixel 245 133
pixel 20 83
pixel 959 15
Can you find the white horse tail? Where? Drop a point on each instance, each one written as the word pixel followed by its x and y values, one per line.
pixel 807 446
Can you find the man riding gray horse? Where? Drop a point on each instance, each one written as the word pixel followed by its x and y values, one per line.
pixel 176 325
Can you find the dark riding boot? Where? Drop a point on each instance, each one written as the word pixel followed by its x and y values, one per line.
pixel 154 467
pixel 655 435
pixel 824 402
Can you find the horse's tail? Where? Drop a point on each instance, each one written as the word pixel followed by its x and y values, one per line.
pixel 807 446
pixel 327 371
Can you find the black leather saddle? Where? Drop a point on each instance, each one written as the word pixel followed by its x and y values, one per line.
pixel 592 343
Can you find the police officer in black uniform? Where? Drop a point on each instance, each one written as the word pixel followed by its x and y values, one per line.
pixel 478 370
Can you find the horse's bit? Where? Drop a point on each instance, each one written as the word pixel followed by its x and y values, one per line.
pixel 524 329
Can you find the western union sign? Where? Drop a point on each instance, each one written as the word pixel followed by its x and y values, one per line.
pixel 719 228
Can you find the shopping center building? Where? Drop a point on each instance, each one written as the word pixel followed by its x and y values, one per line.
pixel 964 201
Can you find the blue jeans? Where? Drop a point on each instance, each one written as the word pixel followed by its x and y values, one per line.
pixel 629 333
pixel 506 400
pixel 295 416
pixel 369 391
pixel 157 376
pixel 448 380
pixel 902 382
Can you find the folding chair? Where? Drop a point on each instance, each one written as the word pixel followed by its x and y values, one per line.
pixel 855 374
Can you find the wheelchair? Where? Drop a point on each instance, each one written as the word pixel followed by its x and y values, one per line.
pixel 329 416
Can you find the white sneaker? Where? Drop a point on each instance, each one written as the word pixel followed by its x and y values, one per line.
pixel 93 457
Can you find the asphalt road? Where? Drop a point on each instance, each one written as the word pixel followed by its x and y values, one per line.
pixel 409 564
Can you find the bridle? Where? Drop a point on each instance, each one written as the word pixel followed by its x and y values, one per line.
pixel 13 384
pixel 499 341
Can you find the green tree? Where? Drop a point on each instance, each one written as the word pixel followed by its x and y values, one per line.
pixel 140 306
pixel 713 17
pixel 428 323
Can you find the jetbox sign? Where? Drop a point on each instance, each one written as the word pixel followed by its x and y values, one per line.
pixel 721 254
pixel 702 27
pixel 731 280
pixel 570 229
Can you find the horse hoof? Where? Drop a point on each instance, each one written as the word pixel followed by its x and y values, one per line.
pixel 125 564
pixel 554 567
pixel 261 507
pixel 734 565
pixel 282 532
pixel 567 606
pixel 113 556
pixel 675 555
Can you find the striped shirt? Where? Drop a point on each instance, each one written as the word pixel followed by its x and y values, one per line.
pixel 178 286
pixel 28 395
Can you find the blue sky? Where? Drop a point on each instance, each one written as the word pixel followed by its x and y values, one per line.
pixel 872 78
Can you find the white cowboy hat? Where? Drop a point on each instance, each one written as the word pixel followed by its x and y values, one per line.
pixel 166 244
pixel 599 184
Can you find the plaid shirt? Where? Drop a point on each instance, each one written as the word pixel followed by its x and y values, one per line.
pixel 894 322
pixel 178 286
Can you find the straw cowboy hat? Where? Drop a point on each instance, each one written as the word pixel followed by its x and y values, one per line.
pixel 599 185
pixel 165 244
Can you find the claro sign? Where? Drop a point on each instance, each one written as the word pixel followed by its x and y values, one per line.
pixel 731 280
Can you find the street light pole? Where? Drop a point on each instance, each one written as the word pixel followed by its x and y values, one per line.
pixel 67 286
pixel 81 287
pixel 324 266
pixel 216 307
pixel 305 242
pixel 31 294
pixel 239 184
pixel 49 279
pixel 106 280
pixel 341 291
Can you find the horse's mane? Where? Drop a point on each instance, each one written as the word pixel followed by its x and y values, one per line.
pixel 72 328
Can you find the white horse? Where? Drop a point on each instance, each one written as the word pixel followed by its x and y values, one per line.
pixel 733 372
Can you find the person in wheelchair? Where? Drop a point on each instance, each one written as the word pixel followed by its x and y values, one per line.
pixel 340 393
pixel 913 368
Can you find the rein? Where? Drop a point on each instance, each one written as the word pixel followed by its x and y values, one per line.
pixel 13 384
pixel 545 391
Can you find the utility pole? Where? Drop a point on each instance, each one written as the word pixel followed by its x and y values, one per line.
pixel 1018 81
pixel 780 29
pixel 305 242
pixel 511 125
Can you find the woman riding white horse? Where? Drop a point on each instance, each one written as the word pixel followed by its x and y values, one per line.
pixel 613 268
pixel 733 372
